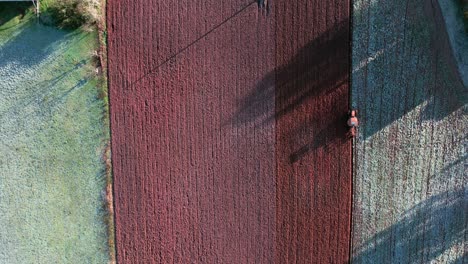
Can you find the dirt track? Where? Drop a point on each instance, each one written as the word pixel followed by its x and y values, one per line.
pixel 228 131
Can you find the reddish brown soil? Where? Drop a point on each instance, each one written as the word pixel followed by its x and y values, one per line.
pixel 229 131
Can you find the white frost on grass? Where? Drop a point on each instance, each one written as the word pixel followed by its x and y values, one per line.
pixel 51 133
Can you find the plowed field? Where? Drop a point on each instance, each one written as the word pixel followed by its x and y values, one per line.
pixel 228 123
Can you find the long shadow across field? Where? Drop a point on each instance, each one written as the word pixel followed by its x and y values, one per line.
pixel 404 66
pixel 28 50
pixel 9 10
pixel 29 47
pixel 317 69
pixel 425 231
pixel 301 78
pixel 45 92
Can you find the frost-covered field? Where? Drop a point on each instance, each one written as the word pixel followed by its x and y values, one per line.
pixel 52 134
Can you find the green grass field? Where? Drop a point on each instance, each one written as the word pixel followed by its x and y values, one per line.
pixel 53 131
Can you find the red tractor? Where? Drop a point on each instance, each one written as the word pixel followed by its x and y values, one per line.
pixel 353 122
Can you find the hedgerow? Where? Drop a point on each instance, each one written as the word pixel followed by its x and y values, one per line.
pixel 72 14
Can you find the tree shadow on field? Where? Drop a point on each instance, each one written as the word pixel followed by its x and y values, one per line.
pixel 27 51
pixel 404 64
pixel 46 95
pixel 307 74
pixel 425 231
pixel 317 70
pixel 33 44
pixel 10 10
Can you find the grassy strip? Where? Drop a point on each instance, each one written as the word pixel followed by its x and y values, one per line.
pixel 104 95
pixel 89 15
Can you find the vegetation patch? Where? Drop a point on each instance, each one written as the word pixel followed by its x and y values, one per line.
pixel 71 14
pixel 464 10
pixel 12 12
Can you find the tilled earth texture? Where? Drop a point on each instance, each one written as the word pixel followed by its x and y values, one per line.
pixel 228 130
pixel 52 136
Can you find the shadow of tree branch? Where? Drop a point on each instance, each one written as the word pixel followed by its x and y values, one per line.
pixel 425 231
